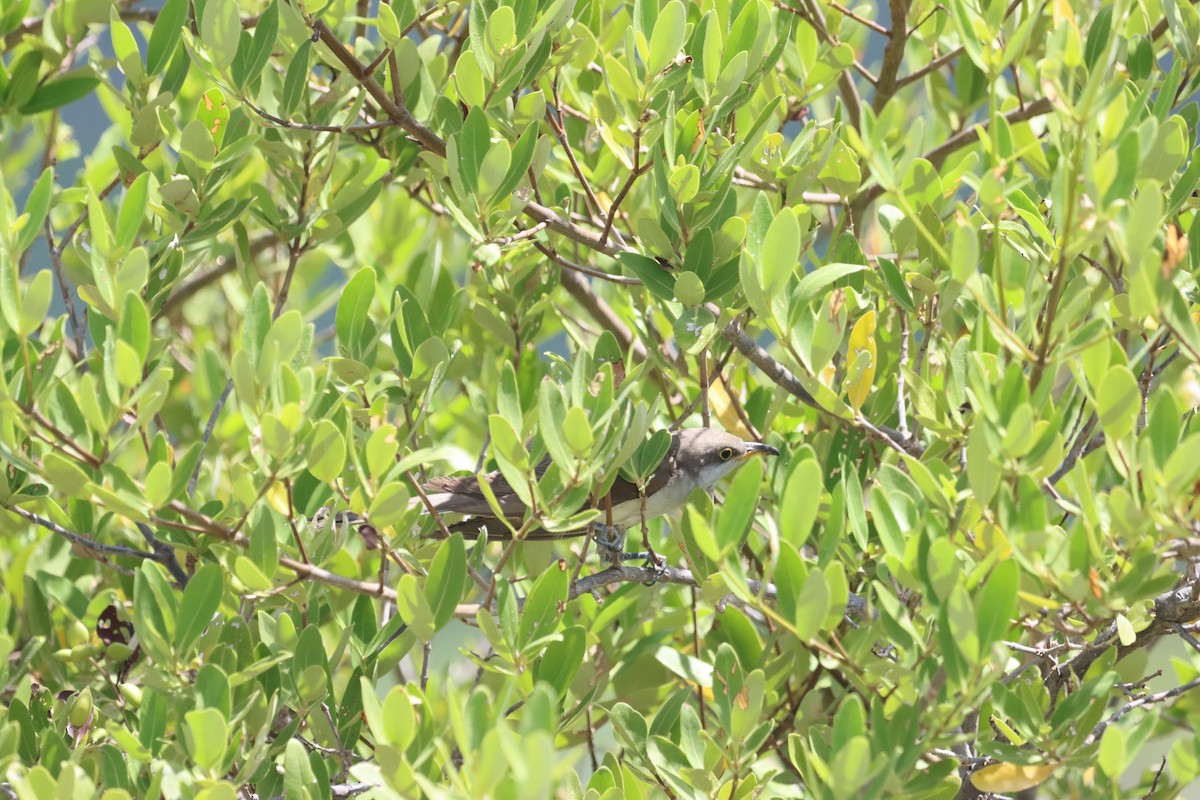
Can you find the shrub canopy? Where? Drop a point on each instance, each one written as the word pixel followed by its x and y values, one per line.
pixel 261 263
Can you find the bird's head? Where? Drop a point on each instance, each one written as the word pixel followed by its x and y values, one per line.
pixel 711 455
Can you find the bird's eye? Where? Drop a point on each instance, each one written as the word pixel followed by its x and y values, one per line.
pixel 726 454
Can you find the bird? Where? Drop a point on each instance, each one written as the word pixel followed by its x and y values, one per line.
pixel 697 458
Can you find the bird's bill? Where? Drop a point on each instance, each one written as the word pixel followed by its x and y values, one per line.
pixel 759 449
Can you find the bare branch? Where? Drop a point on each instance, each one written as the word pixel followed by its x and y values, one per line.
pixel 893 55
pixel 84 542
pixel 1150 699
pixel 784 378
pixel 932 66
pixel 867 23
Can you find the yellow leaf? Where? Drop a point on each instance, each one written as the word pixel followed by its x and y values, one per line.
pixel 1063 12
pixel 722 408
pixel 1009 778
pixel 278 499
pixel 862 359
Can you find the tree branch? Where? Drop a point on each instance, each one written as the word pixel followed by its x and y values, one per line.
pixel 939 154
pixel 855 607
pixel 893 55
pixel 783 377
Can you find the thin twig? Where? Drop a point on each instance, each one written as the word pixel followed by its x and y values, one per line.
pixel 638 170
pixel 1150 699
pixel 782 376
pixel 875 26
pixel 901 389
pixel 164 554
pixel 1073 455
pixel 208 432
pixel 580 268
pixel 78 333
pixel 306 126
pixel 932 66
pixel 82 541
pixel 527 233
pixel 561 133
pixel 696 653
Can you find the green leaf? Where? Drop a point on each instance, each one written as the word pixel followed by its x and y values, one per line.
pixel 810 285
pixel 811 606
pixel 264 549
pixel 207 735
pixel 414 609
pixel 355 331
pixel 153 612
pixel 577 431
pixel 1112 755
pixel 256 324
pixel 221 29
pixel 508 397
pixel 552 417
pixel 165 34
pixel 741 501
pixel 760 222
pixel 390 505
pixel 36 303
pixel 1097 38
pixel 473 143
pixel 997 602
pixel 983 475
pixel 667 38
pixel 135 325
pixel 399 720
pixel 24 78
pixel 800 501
pixel 264 41
pixel 964 252
pixel 630 727
pixel 684 182
pixel 388 25
pixel 559 663
pixel 133 209
pixel 962 624
pixel 447 580
pixel 295 82
pixel 780 251
pixel 649 455
pixel 59 92
pixel 656 277
pixel 125 48
pixel 543 605
pixel 501 30
pixel 895 283
pixel 1118 402
pixel 200 602
pixel 327 452
pixel 36 208
pixel 299 780
pixel 518 165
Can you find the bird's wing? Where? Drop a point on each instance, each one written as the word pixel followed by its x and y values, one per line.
pixel 623 491
pixel 497 531
pixel 461 495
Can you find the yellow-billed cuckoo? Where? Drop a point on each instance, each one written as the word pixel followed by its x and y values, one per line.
pixel 696 459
